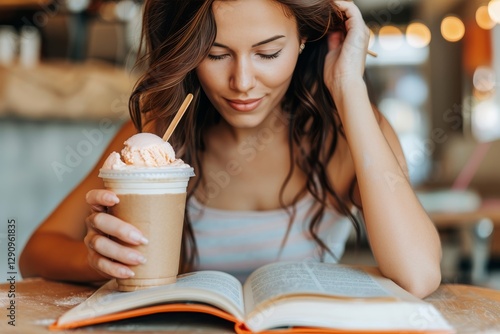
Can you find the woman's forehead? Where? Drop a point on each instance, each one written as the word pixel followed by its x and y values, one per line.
pixel 249 15
pixel 228 7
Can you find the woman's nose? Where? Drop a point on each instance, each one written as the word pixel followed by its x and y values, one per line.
pixel 243 76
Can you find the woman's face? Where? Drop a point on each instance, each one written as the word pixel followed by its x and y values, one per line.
pixel 251 63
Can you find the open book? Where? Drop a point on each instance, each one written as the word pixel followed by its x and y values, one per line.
pixel 281 297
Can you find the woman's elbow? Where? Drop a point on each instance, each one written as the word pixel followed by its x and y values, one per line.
pixel 422 283
pixel 27 263
pixel 34 257
pixel 423 276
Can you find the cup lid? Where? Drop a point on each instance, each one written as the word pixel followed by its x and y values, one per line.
pixel 147 173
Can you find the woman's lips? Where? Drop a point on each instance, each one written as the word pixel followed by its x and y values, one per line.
pixel 244 105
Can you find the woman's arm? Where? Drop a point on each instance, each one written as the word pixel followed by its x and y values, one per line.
pixel 56 249
pixel 403 239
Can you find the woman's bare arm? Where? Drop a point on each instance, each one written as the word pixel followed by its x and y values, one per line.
pixel 403 239
pixel 56 249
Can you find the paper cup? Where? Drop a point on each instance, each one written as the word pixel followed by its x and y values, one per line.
pixel 153 200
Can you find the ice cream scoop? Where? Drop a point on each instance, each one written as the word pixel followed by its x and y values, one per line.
pixel 143 150
pixel 147 150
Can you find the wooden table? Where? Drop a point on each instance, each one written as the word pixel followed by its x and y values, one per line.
pixel 39 302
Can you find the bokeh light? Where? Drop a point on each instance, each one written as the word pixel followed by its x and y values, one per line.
pixel 107 11
pixel 390 37
pixel 483 18
pixel 452 29
pixel 484 79
pixel 494 10
pixel 486 121
pixel 126 10
pixel 418 35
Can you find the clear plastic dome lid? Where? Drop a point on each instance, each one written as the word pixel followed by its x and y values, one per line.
pixel 160 173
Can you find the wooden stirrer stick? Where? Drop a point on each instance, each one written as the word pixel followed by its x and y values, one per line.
pixel 178 117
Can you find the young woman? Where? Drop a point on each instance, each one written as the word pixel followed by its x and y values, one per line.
pixel 283 138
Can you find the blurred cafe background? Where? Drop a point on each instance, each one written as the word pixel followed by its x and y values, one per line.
pixel 67 69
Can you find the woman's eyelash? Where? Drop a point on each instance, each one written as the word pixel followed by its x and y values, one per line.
pixel 271 56
pixel 212 57
pixel 263 56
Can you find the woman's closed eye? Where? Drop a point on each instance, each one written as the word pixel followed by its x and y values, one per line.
pixel 265 56
pixel 217 57
pixel 270 56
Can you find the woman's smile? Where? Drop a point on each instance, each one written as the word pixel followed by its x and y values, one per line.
pixel 245 105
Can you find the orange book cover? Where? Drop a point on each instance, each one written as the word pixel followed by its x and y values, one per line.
pixel 284 297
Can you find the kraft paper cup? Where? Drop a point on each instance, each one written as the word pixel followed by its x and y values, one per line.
pixel 153 200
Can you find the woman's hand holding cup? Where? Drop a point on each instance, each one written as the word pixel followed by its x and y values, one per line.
pixel 105 254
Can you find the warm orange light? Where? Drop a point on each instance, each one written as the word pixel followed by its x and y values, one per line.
pixel 418 35
pixel 107 11
pixel 390 37
pixel 494 10
pixel 452 29
pixel 483 18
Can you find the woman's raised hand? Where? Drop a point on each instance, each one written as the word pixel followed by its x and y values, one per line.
pixel 347 54
pixel 109 257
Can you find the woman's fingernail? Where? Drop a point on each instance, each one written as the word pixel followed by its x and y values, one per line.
pixel 126 272
pixel 137 258
pixel 111 198
pixel 139 238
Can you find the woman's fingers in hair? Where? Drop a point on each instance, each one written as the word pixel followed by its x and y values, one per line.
pixel 352 12
pixel 348 7
pixel 357 31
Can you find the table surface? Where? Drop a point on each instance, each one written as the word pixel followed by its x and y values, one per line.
pixel 469 309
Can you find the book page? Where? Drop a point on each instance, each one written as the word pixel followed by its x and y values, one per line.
pixel 211 287
pixel 282 278
pixel 218 282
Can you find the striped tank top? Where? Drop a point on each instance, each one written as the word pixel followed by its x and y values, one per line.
pixel 239 242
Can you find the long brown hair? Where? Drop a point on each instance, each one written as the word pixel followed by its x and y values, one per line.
pixel 177 36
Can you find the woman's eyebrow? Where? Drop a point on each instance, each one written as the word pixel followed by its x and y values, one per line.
pixel 269 40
